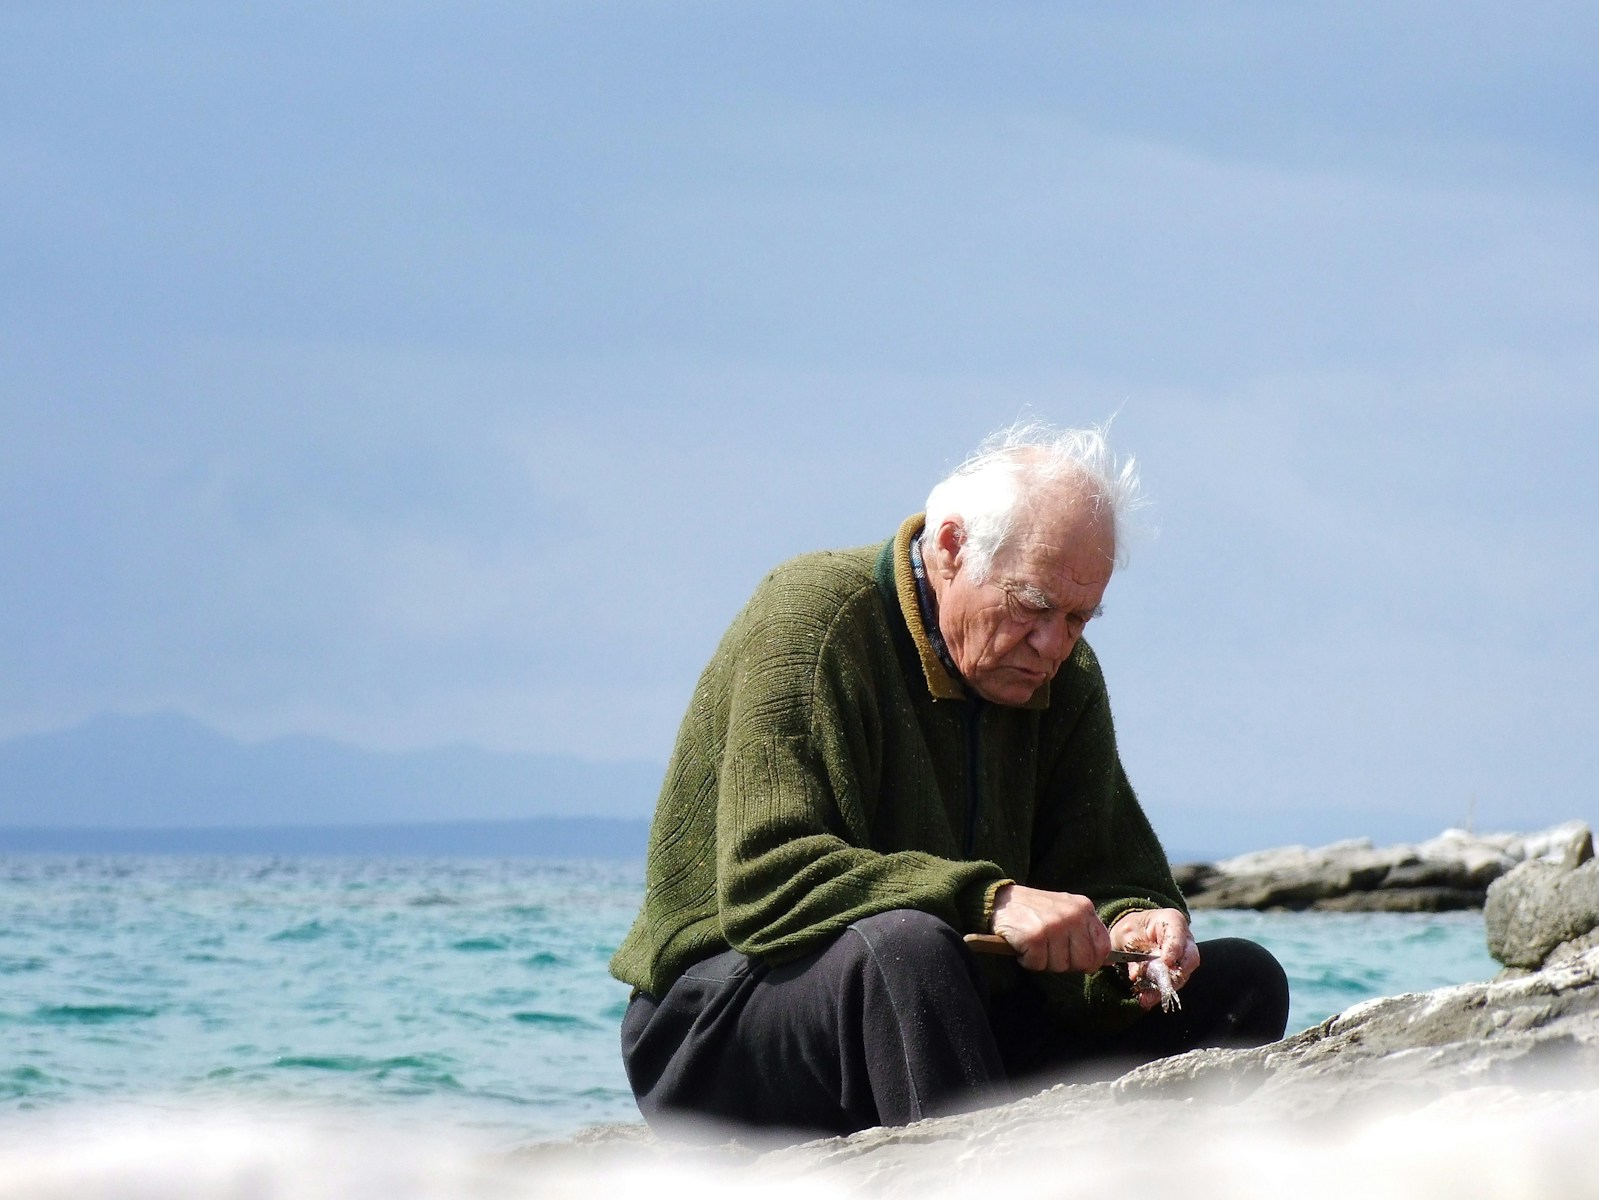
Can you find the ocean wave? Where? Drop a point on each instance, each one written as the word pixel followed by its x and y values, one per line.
pixel 307 931
pixel 92 1014
pixel 481 944
pixel 360 1063
pixel 22 1082
pixel 551 1020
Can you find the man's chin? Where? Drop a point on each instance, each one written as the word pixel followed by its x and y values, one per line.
pixel 1015 689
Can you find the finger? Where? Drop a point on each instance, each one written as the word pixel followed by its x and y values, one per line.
pixel 1173 939
pixel 1101 939
pixel 1036 959
pixel 1089 948
pixel 1041 945
pixel 1062 956
pixel 1093 946
pixel 1191 960
pixel 1021 945
pixel 1032 950
pixel 1182 943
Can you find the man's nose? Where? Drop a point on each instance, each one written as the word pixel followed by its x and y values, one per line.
pixel 1053 637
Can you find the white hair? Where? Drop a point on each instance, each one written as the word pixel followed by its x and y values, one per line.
pixel 1018 467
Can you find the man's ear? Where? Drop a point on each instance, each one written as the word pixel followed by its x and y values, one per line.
pixel 948 539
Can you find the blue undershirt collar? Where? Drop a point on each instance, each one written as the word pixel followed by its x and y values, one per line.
pixel 928 607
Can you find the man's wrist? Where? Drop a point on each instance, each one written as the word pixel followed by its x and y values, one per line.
pixel 991 903
pixel 1124 914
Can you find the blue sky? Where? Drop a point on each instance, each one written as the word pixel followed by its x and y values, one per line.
pixel 419 374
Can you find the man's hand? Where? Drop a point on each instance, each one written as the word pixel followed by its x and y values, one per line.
pixel 1051 931
pixel 1162 931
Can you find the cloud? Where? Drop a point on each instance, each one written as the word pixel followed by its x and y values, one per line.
pixel 463 387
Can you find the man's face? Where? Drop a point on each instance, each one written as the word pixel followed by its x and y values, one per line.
pixel 1010 633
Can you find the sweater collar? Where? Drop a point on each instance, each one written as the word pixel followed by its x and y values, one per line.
pixel 896 572
pixel 927 609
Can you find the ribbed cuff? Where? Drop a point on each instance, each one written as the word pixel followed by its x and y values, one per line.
pixel 1117 909
pixel 976 905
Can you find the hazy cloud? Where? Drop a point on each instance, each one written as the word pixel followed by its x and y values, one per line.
pixel 412 376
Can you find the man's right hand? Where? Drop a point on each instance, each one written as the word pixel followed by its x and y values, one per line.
pixel 1051 931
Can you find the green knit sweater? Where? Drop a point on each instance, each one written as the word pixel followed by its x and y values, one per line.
pixel 830 768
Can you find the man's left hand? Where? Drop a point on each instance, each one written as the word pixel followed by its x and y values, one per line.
pixel 1162 931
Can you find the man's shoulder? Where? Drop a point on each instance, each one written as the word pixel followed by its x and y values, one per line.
pixel 821 579
pixel 805 604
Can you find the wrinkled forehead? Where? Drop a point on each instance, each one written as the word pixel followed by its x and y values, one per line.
pixel 1064 529
pixel 1060 572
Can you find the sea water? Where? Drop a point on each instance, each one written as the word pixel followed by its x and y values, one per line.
pixel 464 994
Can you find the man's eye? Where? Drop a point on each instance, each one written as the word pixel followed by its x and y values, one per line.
pixel 1023 608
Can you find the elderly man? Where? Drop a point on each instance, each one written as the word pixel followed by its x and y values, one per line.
pixel 894 747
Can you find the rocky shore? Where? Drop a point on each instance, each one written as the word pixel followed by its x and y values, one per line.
pixel 1451 871
pixel 1484 1089
pixel 1513 1052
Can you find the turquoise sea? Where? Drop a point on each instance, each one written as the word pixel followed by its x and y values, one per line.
pixel 465 994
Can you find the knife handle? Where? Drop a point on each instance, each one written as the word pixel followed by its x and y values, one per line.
pixel 989 943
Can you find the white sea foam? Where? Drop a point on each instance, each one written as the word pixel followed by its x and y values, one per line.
pixel 1485 1142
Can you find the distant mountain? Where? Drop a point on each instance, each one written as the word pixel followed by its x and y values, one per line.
pixel 168 772
pixel 540 837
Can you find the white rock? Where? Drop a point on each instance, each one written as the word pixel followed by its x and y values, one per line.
pixel 1568 845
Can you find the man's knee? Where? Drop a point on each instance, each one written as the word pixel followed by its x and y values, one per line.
pixel 1250 963
pixel 912 954
pixel 910 934
pixel 1255 990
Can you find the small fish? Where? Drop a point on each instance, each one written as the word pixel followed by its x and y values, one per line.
pixel 1158 977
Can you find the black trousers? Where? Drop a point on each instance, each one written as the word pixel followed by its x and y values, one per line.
pixel 890 1023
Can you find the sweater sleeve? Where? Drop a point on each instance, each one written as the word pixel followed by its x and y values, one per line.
pixel 797 788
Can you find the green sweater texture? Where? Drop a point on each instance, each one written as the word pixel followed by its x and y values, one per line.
pixel 830 768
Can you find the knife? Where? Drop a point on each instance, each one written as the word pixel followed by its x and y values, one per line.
pixel 992 943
